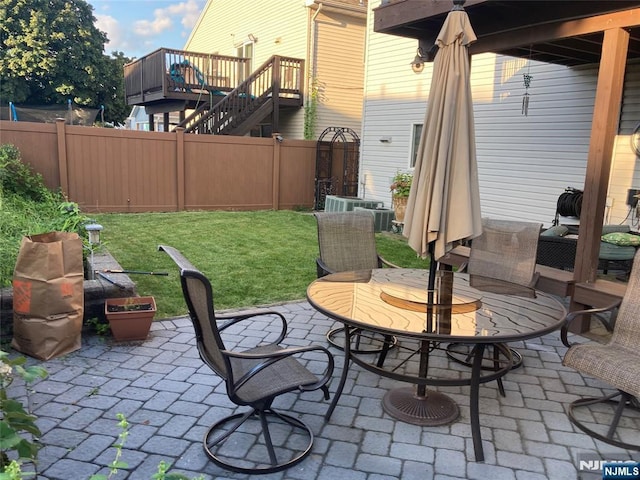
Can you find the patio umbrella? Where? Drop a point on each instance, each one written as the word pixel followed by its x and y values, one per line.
pixel 444 202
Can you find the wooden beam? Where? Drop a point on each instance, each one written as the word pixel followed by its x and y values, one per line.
pixel 604 126
pixel 553 31
pixel 404 12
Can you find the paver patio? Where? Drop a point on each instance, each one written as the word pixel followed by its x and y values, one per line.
pixel 170 398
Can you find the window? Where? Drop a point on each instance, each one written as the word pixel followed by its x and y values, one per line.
pixel 416 132
pixel 246 51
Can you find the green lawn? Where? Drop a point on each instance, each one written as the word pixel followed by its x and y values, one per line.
pixel 251 258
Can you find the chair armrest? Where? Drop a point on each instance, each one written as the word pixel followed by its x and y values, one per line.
pixel 232 319
pixel 177 257
pixel 384 262
pixel 573 315
pixel 322 268
pixel 271 359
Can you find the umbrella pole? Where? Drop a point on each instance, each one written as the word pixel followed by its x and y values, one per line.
pixel 417 405
pixel 433 268
pixel 425 346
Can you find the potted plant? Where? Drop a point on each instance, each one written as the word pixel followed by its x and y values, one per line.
pixel 400 188
pixel 130 318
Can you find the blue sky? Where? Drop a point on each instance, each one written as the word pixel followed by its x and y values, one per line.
pixel 138 27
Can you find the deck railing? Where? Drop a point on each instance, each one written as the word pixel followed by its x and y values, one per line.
pixel 279 79
pixel 165 72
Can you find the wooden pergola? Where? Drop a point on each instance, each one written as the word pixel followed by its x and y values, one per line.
pixel 568 33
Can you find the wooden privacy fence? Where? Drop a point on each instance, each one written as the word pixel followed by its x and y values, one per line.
pixel 108 170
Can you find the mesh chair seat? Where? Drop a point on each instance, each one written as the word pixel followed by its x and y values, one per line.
pixel 616 364
pixel 285 376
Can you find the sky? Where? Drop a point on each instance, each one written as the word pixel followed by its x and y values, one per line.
pixel 138 27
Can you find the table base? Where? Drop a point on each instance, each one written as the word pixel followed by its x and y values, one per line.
pixel 432 409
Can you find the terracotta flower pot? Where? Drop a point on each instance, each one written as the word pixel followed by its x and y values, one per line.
pixel 130 318
pixel 399 207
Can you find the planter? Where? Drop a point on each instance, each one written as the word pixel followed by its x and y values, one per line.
pixel 130 318
pixel 399 207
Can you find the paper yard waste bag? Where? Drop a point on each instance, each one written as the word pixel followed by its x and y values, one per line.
pixel 48 295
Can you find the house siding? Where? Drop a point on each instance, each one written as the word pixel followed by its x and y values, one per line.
pixel 524 162
pixel 280 27
pixel 339 69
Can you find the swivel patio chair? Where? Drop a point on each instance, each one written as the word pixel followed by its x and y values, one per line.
pixel 616 364
pixel 502 259
pixel 346 241
pixel 253 377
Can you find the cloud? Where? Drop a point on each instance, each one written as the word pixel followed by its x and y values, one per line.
pixel 163 18
pixel 135 29
pixel 114 31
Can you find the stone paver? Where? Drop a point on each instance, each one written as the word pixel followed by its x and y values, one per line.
pixel 170 399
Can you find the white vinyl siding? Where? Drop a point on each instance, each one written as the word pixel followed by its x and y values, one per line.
pixel 280 27
pixel 524 162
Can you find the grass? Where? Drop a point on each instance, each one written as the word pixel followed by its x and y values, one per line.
pixel 252 258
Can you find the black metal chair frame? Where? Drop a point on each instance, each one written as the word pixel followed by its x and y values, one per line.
pixel 253 377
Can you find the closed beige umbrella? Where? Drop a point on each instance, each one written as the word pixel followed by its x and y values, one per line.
pixel 444 203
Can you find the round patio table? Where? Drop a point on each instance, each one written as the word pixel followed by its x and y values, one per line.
pixel 462 308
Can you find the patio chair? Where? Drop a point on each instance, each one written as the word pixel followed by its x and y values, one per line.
pixel 346 241
pixel 616 364
pixel 502 259
pixel 253 377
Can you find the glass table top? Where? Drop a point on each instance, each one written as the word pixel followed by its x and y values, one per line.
pixel 460 307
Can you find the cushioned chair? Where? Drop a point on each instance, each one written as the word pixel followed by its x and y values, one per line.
pixel 253 377
pixel 502 259
pixel 346 241
pixel 616 364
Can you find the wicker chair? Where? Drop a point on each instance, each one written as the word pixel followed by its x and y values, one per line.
pixel 616 364
pixel 253 377
pixel 346 241
pixel 502 259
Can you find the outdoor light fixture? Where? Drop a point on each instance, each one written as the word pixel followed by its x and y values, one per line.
pixel 424 53
pixel 93 229
pixel 253 38
pixel 94 233
pixel 418 64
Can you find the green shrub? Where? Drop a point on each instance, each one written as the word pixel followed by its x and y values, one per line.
pixel 18 430
pixel 28 207
pixel 18 178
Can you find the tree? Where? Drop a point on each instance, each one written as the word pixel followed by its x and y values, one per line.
pixel 51 52
pixel 111 94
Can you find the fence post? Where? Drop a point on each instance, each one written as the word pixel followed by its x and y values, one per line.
pixel 180 186
pixel 277 141
pixel 62 155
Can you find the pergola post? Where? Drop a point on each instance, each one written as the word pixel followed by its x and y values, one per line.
pixel 604 127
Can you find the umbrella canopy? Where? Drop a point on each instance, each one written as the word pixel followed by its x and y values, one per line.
pixel 444 202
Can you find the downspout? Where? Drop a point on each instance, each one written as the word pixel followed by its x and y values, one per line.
pixel 314 43
pixel 312 54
